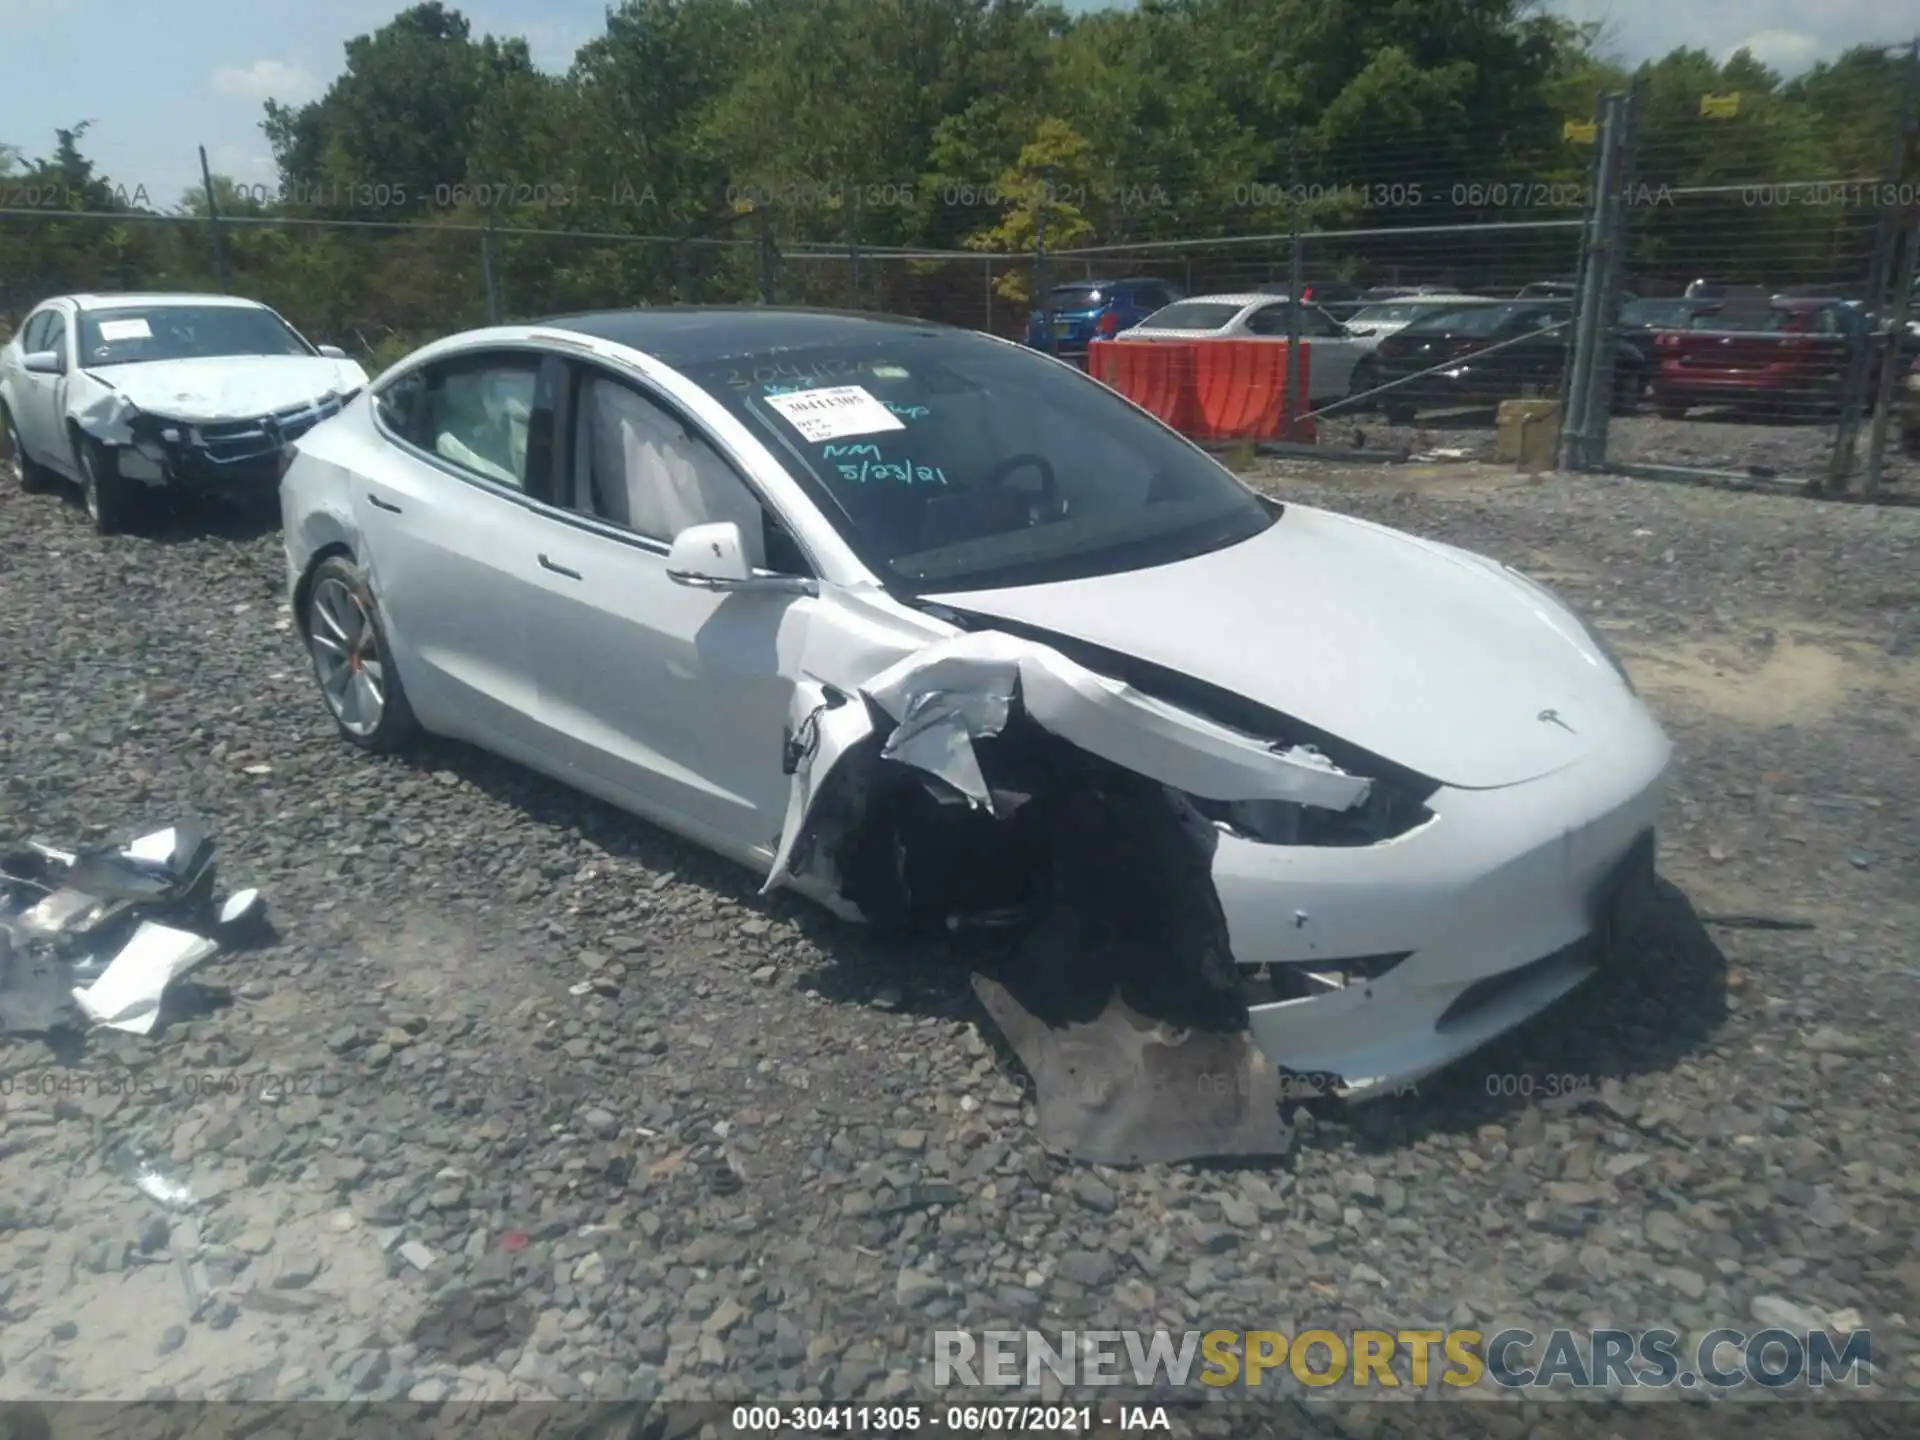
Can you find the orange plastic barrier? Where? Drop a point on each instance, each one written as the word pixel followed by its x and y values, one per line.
pixel 1157 375
pixel 1240 390
pixel 1210 390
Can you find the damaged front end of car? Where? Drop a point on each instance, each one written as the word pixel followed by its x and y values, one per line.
pixel 229 457
pixel 991 782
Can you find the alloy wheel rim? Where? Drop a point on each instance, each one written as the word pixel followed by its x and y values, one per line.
pixel 16 458
pixel 346 657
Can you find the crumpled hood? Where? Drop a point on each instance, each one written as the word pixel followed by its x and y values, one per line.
pixel 235 387
pixel 1416 651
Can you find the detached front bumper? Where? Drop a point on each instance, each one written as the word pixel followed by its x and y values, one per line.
pixel 1455 932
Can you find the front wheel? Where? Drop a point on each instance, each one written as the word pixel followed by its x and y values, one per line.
pixel 1398 412
pixel 22 469
pixel 1669 409
pixel 352 661
pixel 111 499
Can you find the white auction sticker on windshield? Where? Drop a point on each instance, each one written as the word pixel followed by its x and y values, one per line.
pixel 112 330
pixel 830 413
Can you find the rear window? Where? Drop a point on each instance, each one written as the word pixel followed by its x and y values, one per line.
pixel 1077 297
pixel 1400 312
pixel 1770 319
pixel 1193 315
pixel 1668 314
pixel 1470 319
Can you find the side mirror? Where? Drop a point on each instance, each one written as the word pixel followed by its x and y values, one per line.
pixel 711 557
pixel 44 362
pixel 332 352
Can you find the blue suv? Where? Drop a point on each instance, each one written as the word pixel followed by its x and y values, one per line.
pixel 1087 310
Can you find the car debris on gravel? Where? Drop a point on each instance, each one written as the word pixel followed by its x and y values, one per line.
pixel 95 935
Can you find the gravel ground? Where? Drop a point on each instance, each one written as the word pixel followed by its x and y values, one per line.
pixel 530 1100
pixel 1707 439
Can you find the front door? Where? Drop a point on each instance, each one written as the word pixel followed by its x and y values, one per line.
pixel 40 408
pixel 674 696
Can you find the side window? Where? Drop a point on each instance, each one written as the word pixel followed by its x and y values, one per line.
pixel 477 416
pixel 1315 321
pixel 640 467
pixel 53 335
pixel 1154 298
pixel 400 410
pixel 1269 320
pixel 35 331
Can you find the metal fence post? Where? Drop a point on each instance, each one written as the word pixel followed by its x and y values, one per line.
pixel 1847 438
pixel 1612 262
pixel 1296 278
pixel 486 270
pixel 1588 321
pixel 988 276
pixel 853 248
pixel 1040 266
pixel 1890 359
pixel 766 256
pixel 213 224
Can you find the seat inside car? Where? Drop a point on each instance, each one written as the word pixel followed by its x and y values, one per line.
pixel 636 466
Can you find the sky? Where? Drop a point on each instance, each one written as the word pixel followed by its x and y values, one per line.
pixel 161 78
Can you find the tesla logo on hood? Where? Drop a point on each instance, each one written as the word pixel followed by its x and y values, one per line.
pixel 1552 717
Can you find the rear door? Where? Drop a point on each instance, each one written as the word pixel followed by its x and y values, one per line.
pixel 1332 353
pixel 448 526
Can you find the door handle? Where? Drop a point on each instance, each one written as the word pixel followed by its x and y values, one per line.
pixel 379 504
pixel 546 564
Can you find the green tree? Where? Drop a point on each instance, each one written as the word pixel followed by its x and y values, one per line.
pixel 1043 193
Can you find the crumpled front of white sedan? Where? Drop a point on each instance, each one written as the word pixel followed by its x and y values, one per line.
pixel 1504 840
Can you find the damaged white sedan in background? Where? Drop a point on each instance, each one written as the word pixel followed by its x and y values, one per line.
pixel 123 394
pixel 943 633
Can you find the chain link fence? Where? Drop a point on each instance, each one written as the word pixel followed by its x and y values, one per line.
pixel 1772 318
pixel 1755 329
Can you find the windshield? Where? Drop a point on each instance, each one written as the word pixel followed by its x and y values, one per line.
pixel 1776 319
pixel 1193 315
pixel 1658 313
pixel 952 462
pixel 135 334
pixel 1399 312
pixel 1466 319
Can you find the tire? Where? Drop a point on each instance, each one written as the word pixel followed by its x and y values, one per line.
pixel 1910 439
pixel 1366 375
pixel 352 662
pixel 112 500
pixel 1398 412
pixel 29 474
pixel 1669 409
pixel 1627 389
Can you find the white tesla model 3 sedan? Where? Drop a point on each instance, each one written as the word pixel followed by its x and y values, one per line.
pixel 917 622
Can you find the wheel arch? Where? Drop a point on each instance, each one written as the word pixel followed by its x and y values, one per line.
pixel 303 587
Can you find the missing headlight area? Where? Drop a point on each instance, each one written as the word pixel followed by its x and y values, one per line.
pixel 992 785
